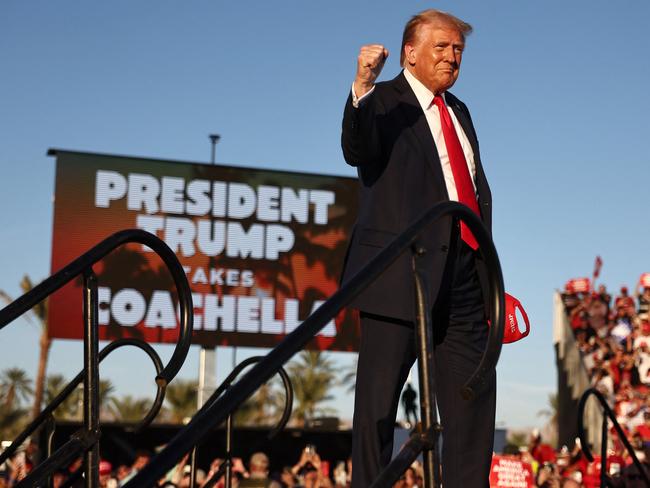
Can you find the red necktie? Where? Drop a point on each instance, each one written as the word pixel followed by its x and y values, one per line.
pixel 459 169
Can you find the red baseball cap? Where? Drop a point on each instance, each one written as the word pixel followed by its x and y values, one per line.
pixel 105 467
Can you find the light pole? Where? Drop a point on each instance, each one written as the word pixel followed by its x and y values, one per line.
pixel 208 355
pixel 214 138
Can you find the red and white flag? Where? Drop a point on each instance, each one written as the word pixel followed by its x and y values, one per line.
pixel 597 265
pixel 578 285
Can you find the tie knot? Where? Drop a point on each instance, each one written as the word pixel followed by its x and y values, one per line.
pixel 438 101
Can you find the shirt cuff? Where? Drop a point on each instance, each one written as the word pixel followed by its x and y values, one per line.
pixel 356 101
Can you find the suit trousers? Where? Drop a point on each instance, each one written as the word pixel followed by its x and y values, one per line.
pixel 386 354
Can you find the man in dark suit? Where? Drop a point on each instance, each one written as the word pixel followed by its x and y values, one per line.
pixel 414 144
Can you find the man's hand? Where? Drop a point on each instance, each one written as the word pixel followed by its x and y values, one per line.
pixel 369 64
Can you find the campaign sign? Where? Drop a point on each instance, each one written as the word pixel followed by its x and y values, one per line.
pixel 507 472
pixel 261 249
pixel 578 285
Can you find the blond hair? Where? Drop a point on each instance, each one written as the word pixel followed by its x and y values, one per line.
pixel 431 16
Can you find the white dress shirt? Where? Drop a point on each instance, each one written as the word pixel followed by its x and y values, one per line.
pixel 432 114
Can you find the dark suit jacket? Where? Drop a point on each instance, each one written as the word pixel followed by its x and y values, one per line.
pixel 400 177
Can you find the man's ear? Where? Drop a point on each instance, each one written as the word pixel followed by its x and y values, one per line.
pixel 409 54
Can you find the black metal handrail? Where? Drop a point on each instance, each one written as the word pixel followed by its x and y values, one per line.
pixel 226 466
pixel 59 458
pixel 218 411
pixel 608 413
pixel 80 442
pixel 86 441
pixel 288 387
pixel 84 262
pixel 47 412
pixel 424 439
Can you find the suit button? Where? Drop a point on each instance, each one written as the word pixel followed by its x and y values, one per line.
pixel 444 248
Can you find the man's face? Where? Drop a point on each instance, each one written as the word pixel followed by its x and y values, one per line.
pixel 123 471
pixel 311 479
pixel 103 480
pixel 435 56
pixel 140 462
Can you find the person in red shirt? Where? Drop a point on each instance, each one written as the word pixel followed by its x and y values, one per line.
pixel 615 464
pixel 644 429
pixel 543 453
pixel 625 302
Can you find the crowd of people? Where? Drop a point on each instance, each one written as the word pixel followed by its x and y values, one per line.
pixel 614 338
pixel 539 466
pixel 310 471
pixel 569 468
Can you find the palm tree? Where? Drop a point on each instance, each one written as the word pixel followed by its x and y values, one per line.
pixel 69 408
pixel 552 411
pixel 15 386
pixel 269 401
pixel 264 407
pixel 53 386
pixel 518 438
pixel 129 409
pixel 350 376
pixel 552 414
pixel 181 396
pixel 39 313
pixel 12 421
pixel 312 376
pixel 106 389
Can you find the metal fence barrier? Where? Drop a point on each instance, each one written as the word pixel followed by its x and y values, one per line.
pixel 608 414
pixel 86 441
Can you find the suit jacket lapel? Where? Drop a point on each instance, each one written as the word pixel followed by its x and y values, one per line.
pixel 414 118
pixel 468 128
pixel 464 121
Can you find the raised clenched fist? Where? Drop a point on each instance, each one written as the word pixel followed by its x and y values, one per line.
pixel 369 64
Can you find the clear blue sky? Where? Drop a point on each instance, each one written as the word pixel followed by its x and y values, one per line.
pixel 558 92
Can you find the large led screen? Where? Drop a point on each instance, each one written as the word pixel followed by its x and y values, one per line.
pixel 261 249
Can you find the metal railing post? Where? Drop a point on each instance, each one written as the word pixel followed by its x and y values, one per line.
pixel 228 479
pixel 225 470
pixel 49 429
pixel 85 442
pixel 91 376
pixel 46 415
pixel 425 439
pixel 603 452
pixel 608 413
pixel 80 442
pixel 426 378
pixel 193 467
